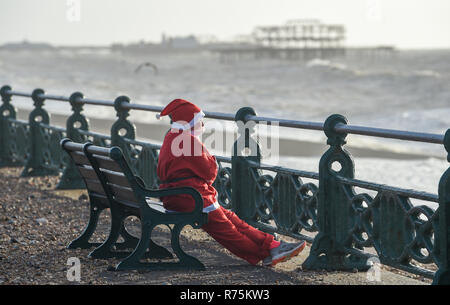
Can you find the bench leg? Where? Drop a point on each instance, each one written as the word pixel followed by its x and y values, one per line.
pixel 133 261
pixel 104 250
pixel 185 261
pixel 130 241
pixel 108 248
pixel 157 251
pixel 82 241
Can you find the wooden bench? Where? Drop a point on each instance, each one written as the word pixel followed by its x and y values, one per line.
pixel 111 184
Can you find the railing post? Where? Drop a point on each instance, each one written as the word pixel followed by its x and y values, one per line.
pixel 442 276
pixel 34 165
pixel 7 111
pixel 329 247
pixel 71 178
pixel 244 149
pixel 122 127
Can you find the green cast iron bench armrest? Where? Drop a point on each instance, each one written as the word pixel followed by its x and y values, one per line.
pixel 184 190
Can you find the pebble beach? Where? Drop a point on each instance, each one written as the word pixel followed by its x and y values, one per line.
pixel 37 223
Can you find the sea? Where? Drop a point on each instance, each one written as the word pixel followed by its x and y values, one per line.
pixel 406 90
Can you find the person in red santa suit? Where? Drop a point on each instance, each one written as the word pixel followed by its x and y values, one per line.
pixel 185 161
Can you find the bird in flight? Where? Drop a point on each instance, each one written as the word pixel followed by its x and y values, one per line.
pixel 147 64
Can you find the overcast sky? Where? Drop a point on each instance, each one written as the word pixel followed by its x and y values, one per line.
pixel 403 23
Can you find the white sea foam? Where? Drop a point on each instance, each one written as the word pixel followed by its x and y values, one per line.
pixel 317 62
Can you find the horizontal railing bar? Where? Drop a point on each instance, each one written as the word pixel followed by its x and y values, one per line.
pixel 95 134
pixel 23 122
pixel 208 114
pixel 390 133
pixel 18 93
pixel 141 143
pixel 54 97
pixel 44 96
pixel 64 98
pixel 223 159
pixel 60 129
pixel 130 106
pixel 286 123
pixel 95 102
pixel 383 187
pixel 353 129
pixel 219 115
pixel 339 128
pixel 284 170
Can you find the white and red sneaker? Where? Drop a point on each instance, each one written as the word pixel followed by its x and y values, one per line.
pixel 283 252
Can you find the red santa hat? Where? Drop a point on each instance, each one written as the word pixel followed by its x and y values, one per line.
pixel 184 114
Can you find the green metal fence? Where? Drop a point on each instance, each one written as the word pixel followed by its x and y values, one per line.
pixel 340 221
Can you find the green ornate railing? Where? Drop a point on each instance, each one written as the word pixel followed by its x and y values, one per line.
pixel 340 221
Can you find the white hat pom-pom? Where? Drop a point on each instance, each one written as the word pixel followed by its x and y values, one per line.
pixel 158 116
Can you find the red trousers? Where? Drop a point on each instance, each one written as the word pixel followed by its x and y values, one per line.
pixel 237 236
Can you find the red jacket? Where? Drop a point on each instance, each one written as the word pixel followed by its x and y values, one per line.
pixel 201 168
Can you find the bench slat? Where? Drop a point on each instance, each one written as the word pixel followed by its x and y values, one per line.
pixel 79 158
pixel 123 193
pixel 107 163
pixel 87 172
pixel 101 198
pixel 95 186
pixel 112 177
pixel 116 178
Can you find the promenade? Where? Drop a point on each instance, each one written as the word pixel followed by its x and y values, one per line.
pixel 37 222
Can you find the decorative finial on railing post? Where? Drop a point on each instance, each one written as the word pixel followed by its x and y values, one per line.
pixel 329 247
pixel 121 112
pixel 71 178
pixel 334 139
pixel 34 166
pixel 77 121
pixel 442 276
pixel 244 149
pixel 4 93
pixel 38 100
pixel 7 111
